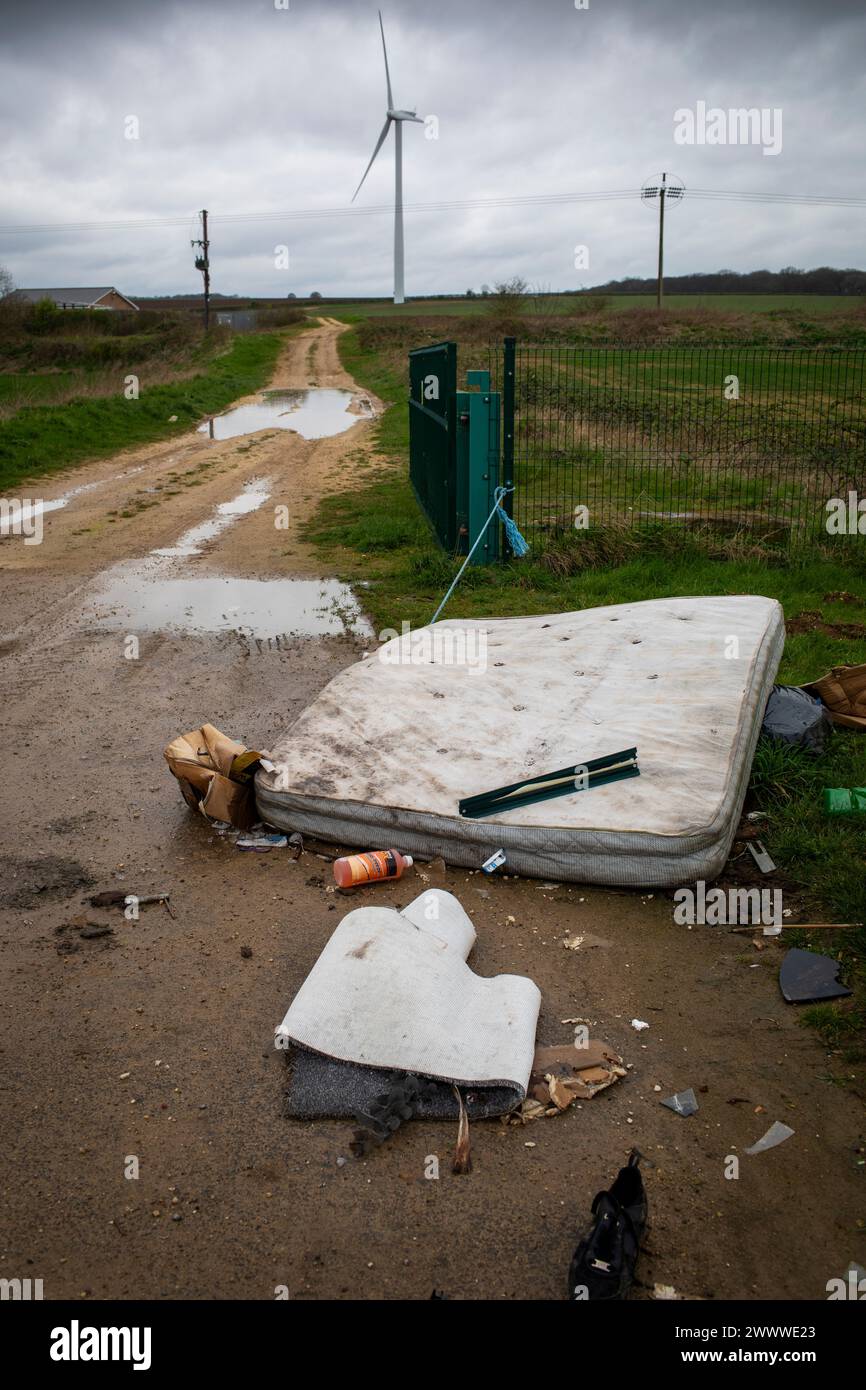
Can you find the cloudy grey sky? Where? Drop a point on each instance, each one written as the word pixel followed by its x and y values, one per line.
pixel 244 107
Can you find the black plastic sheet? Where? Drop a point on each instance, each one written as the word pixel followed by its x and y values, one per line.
pixel 792 716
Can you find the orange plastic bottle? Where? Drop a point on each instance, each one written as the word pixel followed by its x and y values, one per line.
pixel 357 869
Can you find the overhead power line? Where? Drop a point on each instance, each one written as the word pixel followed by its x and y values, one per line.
pixel 455 205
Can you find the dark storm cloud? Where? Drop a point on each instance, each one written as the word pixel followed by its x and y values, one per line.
pixel 246 107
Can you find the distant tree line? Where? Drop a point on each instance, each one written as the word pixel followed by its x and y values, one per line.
pixel 789 280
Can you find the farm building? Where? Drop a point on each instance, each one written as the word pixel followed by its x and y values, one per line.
pixel 99 297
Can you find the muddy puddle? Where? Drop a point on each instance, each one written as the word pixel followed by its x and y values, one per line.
pixel 315 413
pixel 152 597
pixel 163 593
pixel 253 496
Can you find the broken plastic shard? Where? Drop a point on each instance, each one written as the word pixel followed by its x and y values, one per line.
pixel 261 842
pixel 638 1025
pixel 806 976
pixel 683 1103
pixel 776 1134
pixel 761 857
pixel 496 860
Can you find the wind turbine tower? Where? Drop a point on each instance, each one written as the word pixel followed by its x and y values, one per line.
pixel 395 117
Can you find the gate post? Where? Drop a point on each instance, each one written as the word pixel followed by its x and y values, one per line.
pixel 477 467
pixel 508 372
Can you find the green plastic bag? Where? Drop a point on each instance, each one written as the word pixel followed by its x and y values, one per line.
pixel 842 801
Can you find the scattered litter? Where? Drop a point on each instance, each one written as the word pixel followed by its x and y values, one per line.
pixel 757 816
pixel 603 1265
pixel 844 801
pixel 496 860
pixel 794 717
pixel 843 692
pixel 776 1134
pixel 761 857
pixel 215 775
pixel 120 897
pixel 387 1112
pixel 638 1025
pixel 391 993
pixel 806 976
pixel 562 1075
pixel 683 1103
pixel 587 940
pixel 374 867
pixel 261 841
pixel 595 772
pixel 462 1156
pixel 665 1292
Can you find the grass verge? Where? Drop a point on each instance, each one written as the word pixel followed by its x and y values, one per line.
pixel 40 440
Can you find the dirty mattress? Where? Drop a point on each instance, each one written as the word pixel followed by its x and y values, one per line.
pixel 390 747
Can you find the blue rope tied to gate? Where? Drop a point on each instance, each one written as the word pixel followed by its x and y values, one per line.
pixel 515 540
pixel 519 546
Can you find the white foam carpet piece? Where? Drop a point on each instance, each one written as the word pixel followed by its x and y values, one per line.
pixel 385 753
pixel 393 990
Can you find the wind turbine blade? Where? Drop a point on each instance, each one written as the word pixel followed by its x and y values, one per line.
pixel 379 143
pixel 387 73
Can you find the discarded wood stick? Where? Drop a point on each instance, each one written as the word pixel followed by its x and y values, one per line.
pixel 803 926
pixel 462 1156
pixel 117 897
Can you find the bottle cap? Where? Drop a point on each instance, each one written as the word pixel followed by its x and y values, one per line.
pixel 407 859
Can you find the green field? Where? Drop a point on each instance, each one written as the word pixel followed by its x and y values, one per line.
pixel 616 303
pixel 642 432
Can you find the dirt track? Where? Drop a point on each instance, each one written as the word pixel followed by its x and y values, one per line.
pixel 156 1041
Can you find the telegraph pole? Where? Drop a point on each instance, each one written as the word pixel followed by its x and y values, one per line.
pixel 660 288
pixel 664 191
pixel 202 263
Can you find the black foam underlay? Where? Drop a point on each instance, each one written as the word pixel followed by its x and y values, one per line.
pixel 326 1088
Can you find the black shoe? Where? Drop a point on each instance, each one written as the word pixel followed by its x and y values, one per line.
pixel 604 1262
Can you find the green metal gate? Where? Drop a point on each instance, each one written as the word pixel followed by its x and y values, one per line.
pixel 432 442
pixel 454 450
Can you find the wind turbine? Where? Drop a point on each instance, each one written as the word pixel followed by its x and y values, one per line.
pixel 397 117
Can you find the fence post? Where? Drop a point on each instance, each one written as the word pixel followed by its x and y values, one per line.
pixel 508 367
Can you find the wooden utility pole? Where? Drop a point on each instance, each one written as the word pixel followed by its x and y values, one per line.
pixel 660 289
pixel 202 263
